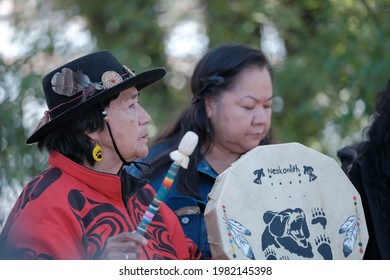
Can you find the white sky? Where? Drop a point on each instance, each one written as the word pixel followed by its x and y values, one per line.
pixel 7 48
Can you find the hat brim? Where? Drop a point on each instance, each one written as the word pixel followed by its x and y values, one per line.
pixel 139 81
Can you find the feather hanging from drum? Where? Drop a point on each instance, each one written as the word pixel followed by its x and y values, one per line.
pixel 68 82
pixel 238 231
pixel 351 229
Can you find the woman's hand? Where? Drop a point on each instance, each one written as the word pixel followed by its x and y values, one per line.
pixel 124 246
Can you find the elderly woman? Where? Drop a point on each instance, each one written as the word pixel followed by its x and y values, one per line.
pixel 84 206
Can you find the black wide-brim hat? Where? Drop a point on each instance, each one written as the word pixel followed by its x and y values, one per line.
pixel 84 82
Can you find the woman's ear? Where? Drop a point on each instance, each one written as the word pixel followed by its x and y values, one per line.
pixel 210 105
pixel 94 136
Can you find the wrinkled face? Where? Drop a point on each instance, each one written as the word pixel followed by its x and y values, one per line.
pixel 128 122
pixel 241 117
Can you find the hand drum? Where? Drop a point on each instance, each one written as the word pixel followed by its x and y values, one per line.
pixel 285 201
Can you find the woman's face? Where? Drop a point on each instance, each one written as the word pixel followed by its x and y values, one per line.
pixel 241 116
pixel 128 122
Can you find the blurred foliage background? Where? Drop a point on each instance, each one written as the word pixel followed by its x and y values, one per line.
pixel 330 58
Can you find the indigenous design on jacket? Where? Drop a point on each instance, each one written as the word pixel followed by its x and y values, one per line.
pixel 73 220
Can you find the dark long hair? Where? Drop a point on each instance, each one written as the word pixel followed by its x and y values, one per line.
pixel 71 139
pixel 215 72
pixel 376 150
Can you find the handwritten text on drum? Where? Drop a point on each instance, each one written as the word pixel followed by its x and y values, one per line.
pixel 292 168
pixel 279 170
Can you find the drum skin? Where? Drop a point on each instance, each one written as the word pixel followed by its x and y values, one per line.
pixel 285 202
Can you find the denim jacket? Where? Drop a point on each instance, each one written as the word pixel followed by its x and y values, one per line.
pixel 188 209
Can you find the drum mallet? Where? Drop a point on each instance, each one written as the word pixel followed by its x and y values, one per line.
pixel 180 158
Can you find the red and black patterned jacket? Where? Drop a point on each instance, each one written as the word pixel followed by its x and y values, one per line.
pixel 69 212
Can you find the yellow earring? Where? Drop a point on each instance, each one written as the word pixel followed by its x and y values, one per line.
pixel 97 153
